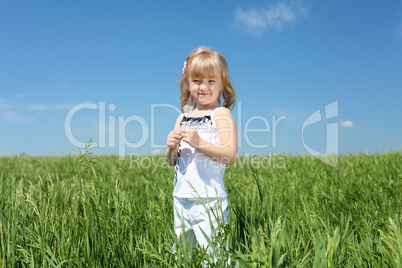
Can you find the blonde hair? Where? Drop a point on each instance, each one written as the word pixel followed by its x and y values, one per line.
pixel 204 62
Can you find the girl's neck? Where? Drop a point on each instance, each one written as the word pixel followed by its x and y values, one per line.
pixel 203 109
pixel 210 107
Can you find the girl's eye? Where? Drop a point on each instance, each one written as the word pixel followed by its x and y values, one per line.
pixel 211 81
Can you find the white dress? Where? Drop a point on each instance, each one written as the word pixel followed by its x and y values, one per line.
pixel 196 174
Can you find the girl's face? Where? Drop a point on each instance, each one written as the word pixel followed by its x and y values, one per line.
pixel 206 91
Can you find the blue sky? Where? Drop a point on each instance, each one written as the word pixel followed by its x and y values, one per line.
pixel 287 59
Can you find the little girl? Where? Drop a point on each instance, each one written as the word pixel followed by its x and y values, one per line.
pixel 201 144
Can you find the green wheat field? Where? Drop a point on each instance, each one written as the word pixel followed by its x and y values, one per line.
pixel 98 211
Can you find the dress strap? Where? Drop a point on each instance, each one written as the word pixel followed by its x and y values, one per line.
pixel 215 110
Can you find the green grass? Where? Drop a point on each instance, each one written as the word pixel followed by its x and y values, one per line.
pixel 99 211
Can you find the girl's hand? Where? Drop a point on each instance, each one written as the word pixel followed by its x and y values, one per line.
pixel 174 139
pixel 191 136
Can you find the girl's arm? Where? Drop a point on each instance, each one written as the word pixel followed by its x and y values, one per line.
pixel 173 141
pixel 226 151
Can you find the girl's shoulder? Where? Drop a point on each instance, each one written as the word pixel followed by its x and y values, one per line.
pixel 181 117
pixel 222 111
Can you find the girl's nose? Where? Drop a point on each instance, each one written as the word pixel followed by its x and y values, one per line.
pixel 203 86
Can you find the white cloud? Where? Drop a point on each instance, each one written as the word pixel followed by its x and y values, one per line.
pixel 4 105
pixel 256 21
pixel 12 112
pixel 156 151
pixel 15 117
pixel 63 84
pixel 47 107
pixel 252 21
pixel 347 123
